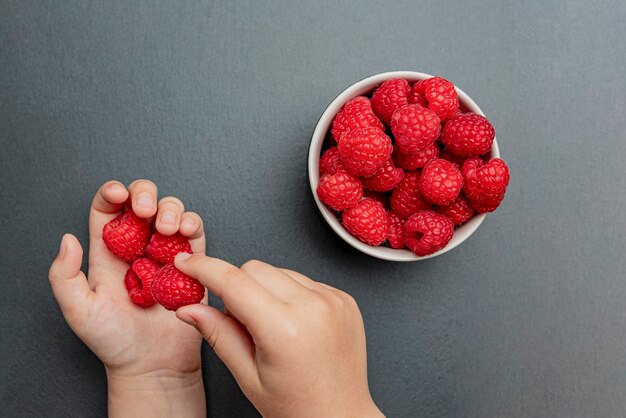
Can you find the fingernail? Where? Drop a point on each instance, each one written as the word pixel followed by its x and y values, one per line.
pixel 62 248
pixel 182 256
pixel 186 318
pixel 144 200
pixel 115 187
pixel 168 218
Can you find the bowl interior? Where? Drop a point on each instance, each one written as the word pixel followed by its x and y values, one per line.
pixel 365 87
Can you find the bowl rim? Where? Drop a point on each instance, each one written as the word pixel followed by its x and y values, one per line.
pixel 364 86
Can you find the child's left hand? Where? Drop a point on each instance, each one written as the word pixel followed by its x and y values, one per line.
pixel 143 350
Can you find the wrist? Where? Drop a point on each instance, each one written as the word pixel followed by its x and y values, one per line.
pixel 156 393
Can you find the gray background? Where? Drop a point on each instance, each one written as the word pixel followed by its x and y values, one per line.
pixel 216 103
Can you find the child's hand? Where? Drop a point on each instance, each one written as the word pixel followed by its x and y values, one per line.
pixel 145 351
pixel 295 346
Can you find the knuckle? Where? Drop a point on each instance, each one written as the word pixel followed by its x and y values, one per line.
pixel 251 265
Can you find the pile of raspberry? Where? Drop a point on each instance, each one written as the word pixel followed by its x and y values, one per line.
pixel 407 165
pixel 152 277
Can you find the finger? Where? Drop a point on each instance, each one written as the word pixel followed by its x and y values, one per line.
pixel 246 299
pixel 303 280
pixel 229 339
pixel 169 213
pixel 106 205
pixel 279 284
pixel 69 284
pixel 143 195
pixel 191 226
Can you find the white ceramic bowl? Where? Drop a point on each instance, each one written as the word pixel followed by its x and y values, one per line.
pixel 365 87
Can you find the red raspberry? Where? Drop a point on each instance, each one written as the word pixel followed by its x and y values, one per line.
pixel 340 191
pixel 441 182
pixel 391 95
pixel 356 113
pixel 379 197
pixel 330 162
pixel 396 230
pixel 426 232
pixel 416 97
pixel 163 248
pixel 385 178
pixel 485 184
pixel 139 279
pixel 364 150
pixel 414 128
pixel 415 161
pixel 468 135
pixel 459 211
pixel 173 289
pixel 440 95
pixel 456 160
pixel 367 221
pixel 406 198
pixel 127 236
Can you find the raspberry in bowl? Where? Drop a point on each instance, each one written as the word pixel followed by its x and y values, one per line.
pixel 404 166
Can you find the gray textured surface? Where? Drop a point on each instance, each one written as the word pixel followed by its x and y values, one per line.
pixel 216 103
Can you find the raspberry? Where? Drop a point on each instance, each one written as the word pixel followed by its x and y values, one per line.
pixel 441 182
pixel 415 161
pixel 385 178
pixel 356 113
pixel 406 198
pixel 485 184
pixel 456 160
pixel 126 236
pixel 391 95
pixel 330 162
pixel 173 289
pixel 364 150
pixel 379 197
pixel 459 211
pixel 163 248
pixel 414 128
pixel 468 135
pixel 139 279
pixel 396 230
pixel 440 95
pixel 340 191
pixel 426 232
pixel 416 97
pixel 367 221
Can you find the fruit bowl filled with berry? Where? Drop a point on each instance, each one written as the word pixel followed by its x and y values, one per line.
pixel 404 166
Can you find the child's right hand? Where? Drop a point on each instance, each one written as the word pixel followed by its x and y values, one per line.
pixel 295 346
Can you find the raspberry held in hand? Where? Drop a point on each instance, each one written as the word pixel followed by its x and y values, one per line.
pixel 440 95
pixel 126 236
pixel 426 232
pixel 414 128
pixel 163 248
pixel 173 289
pixel 367 221
pixel 441 182
pixel 468 135
pixel 417 160
pixel 391 95
pixel 364 150
pixel 340 191
pixel 138 281
pixel 406 198
pixel 485 184
pixel 356 113
pixel 385 178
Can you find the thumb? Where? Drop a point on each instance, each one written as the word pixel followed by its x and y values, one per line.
pixel 228 338
pixel 69 284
